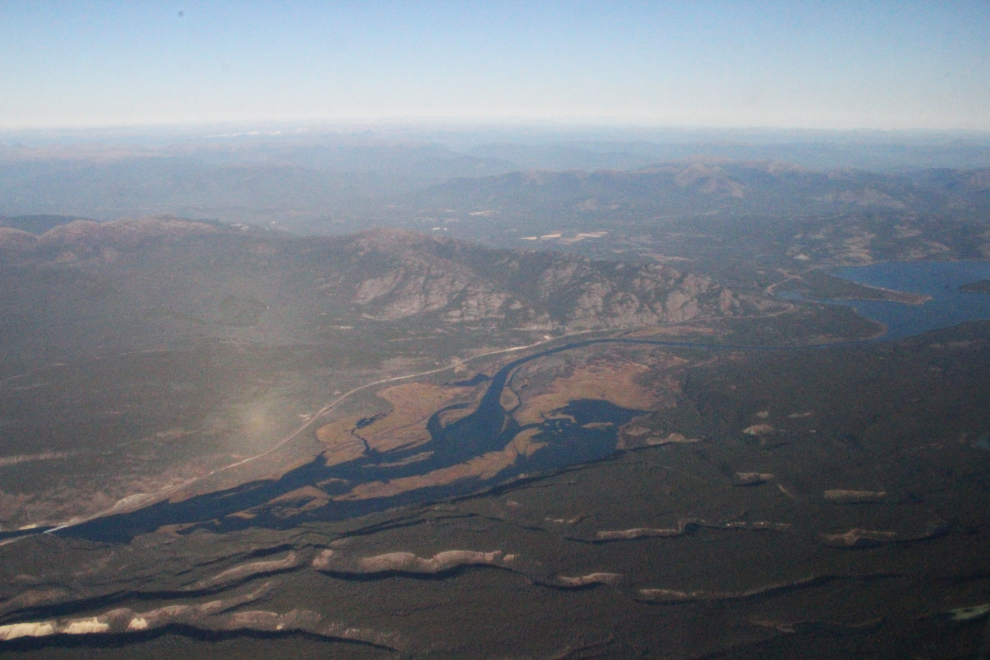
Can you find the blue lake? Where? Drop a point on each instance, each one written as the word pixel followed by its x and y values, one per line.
pixel 939 279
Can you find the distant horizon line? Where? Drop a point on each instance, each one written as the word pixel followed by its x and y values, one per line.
pixel 272 127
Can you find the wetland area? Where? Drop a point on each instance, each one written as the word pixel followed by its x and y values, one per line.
pixel 418 454
pixel 798 475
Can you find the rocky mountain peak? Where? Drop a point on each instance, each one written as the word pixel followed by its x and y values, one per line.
pixel 392 274
pixel 391 240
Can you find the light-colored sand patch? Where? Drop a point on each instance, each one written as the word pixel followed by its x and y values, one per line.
pixel 138 623
pixel 590 579
pixel 214 616
pixel 38 629
pixel 132 502
pixel 86 627
pixel 322 560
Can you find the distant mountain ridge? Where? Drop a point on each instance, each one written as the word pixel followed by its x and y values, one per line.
pixel 396 274
pixel 138 283
pixel 36 224
pixel 340 183
pixel 704 185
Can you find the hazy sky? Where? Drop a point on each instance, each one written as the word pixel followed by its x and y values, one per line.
pixel 830 64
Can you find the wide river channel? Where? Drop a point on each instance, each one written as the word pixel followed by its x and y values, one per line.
pixel 490 427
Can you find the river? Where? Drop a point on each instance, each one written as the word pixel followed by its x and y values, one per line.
pixel 489 428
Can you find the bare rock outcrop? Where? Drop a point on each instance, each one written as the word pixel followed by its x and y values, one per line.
pixel 245 571
pixel 330 561
pixel 391 274
pixel 211 616
pixel 684 527
pixel 677 596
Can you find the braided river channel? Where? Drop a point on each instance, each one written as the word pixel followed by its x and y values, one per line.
pixel 586 430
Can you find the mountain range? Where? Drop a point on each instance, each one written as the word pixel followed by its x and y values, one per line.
pixel 138 284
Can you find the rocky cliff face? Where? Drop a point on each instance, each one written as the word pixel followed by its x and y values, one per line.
pixel 139 284
pixel 393 274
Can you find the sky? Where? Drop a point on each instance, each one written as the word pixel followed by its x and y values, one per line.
pixel 794 64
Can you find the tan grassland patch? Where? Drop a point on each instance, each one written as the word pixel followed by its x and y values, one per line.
pixel 634 437
pixel 307 497
pixel 342 445
pixel 448 417
pixel 412 405
pixel 616 383
pixel 403 427
pixel 485 466
pixel 524 445
pixel 293 503
pixel 508 400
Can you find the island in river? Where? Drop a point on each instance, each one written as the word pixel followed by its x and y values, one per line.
pixel 740 478
pixel 980 286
